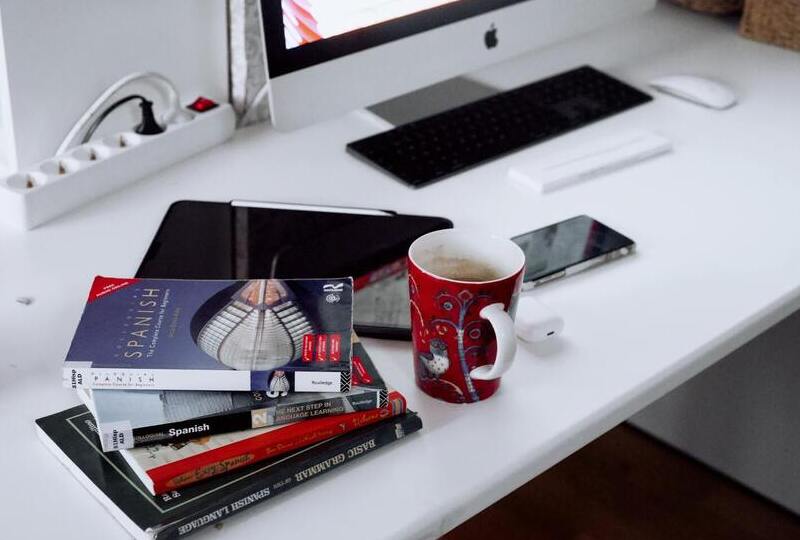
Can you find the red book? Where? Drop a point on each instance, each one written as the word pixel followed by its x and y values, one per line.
pixel 163 468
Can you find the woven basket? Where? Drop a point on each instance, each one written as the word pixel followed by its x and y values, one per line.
pixel 718 7
pixel 772 21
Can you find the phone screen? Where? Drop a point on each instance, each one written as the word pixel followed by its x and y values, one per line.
pixel 555 248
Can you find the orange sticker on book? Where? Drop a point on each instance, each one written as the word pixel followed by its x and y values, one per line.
pixel 336 347
pixel 322 348
pixel 308 347
pixel 360 373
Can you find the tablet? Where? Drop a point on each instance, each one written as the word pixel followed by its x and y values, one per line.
pixel 244 239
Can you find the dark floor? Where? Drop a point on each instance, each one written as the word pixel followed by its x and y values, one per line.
pixel 626 485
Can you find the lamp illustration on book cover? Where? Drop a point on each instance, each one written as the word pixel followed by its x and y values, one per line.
pixel 258 327
pixel 274 335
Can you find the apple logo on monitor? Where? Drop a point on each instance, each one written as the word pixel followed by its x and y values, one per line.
pixel 490 37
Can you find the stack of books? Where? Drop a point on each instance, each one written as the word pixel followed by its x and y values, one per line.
pixel 202 398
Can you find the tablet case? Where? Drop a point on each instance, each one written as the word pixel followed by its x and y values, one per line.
pixel 223 240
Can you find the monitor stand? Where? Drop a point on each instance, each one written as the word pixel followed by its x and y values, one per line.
pixel 431 100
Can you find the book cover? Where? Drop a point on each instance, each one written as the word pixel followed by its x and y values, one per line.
pixel 164 467
pixel 72 436
pixel 129 418
pixel 164 334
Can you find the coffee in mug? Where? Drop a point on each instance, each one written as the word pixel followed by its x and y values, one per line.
pixel 463 269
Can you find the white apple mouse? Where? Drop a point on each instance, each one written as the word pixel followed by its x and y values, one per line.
pixel 697 90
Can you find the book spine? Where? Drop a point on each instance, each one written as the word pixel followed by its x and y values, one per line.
pixel 187 429
pixel 267 445
pixel 80 375
pixel 238 421
pixel 364 401
pixel 362 443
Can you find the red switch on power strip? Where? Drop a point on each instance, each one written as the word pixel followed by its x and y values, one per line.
pixel 202 105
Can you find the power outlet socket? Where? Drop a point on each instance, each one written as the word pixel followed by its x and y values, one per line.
pixel 87 172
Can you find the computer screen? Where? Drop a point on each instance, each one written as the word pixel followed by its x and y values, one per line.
pixel 327 57
pixel 307 22
pixel 316 31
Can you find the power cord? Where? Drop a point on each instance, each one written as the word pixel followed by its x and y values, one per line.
pixel 147 126
pixel 174 114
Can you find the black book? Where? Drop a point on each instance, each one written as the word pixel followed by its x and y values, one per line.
pixel 130 418
pixel 72 436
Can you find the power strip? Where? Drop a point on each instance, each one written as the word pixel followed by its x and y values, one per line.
pixel 87 172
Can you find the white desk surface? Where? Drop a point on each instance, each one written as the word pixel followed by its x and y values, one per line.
pixel 716 223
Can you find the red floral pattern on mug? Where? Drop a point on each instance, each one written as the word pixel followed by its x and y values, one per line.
pixel 450 338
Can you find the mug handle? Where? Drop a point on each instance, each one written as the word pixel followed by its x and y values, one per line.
pixel 503 326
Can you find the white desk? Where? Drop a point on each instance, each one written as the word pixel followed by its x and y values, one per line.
pixel 716 223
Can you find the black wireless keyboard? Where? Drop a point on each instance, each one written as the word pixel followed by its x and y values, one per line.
pixel 444 144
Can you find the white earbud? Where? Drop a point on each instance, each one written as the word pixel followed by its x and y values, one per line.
pixel 536 322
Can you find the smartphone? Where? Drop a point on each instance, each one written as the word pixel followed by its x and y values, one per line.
pixel 569 247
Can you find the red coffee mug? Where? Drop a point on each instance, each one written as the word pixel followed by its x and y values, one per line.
pixel 464 287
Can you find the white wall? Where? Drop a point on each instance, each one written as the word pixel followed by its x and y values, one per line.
pixel 742 415
pixel 60 55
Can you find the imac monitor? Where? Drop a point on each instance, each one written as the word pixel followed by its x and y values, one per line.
pixel 327 57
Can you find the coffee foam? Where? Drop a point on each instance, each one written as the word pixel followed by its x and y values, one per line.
pixel 462 269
